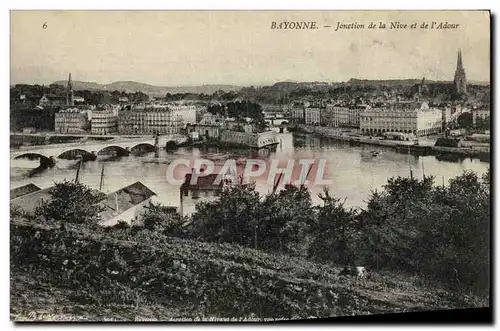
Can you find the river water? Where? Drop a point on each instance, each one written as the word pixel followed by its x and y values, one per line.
pixel 353 170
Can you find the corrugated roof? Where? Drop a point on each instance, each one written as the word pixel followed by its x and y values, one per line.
pixel 29 202
pixel 23 190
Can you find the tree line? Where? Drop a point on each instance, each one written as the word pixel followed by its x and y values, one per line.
pixel 33 93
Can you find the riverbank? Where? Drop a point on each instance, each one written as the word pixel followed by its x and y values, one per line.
pixel 480 153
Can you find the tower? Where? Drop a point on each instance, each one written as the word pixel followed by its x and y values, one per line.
pixel 69 93
pixel 460 78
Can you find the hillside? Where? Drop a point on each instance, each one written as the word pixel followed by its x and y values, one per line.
pixel 152 90
pixel 96 274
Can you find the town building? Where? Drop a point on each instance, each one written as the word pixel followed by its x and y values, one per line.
pixel 406 117
pixel 250 139
pixel 206 187
pixel 341 116
pixel 186 112
pixel 150 120
pixel 103 122
pixel 480 113
pixel 79 100
pixel 312 116
pixel 209 126
pixel 52 101
pixel 297 114
pixel 460 79
pixel 72 120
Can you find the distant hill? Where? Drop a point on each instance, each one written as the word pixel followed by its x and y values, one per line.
pixel 152 90
pixel 391 81
pixel 356 81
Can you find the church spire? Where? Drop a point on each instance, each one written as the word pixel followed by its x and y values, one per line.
pixel 69 93
pixel 459 60
pixel 460 79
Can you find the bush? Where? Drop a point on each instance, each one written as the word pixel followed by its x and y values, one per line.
pixel 72 203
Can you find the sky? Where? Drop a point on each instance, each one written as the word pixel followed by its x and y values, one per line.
pixel 175 48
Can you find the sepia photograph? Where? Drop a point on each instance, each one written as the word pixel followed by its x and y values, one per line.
pixel 250 166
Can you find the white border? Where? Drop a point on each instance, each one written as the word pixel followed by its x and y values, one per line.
pixel 185 4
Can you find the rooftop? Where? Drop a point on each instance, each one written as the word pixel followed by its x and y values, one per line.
pixel 23 190
pixel 29 202
pixel 206 182
pixel 125 198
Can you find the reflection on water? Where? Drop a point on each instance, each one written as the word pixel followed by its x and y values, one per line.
pixel 354 170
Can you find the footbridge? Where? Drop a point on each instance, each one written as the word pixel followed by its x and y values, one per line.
pixel 89 149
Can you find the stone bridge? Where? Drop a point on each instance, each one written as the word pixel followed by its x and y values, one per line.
pixel 90 149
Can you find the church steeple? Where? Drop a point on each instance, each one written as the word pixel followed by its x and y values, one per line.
pixel 460 79
pixel 459 59
pixel 69 93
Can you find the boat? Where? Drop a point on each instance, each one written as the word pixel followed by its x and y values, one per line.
pixel 375 153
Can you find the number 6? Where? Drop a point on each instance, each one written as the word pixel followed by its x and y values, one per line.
pixel 44 25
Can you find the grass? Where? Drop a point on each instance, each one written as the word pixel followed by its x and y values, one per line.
pixel 279 277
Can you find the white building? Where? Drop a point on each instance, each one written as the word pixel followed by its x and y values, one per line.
pixel 103 122
pixel 78 99
pixel 186 113
pixel 312 116
pixel 72 120
pixel 297 114
pixel 416 118
pixel 342 116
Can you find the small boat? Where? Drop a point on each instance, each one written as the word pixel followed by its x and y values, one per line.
pixel 375 153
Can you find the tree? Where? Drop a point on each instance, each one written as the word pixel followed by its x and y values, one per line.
pixel 465 120
pixel 163 218
pixel 73 203
pixel 285 220
pixel 334 232
pixel 231 218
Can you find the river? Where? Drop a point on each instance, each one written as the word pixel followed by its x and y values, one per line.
pixel 353 170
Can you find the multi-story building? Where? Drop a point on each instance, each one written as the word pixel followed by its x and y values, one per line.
pixel 210 126
pixel 297 114
pixel 103 122
pixel 415 118
pixel 338 116
pixel 148 121
pixel 72 120
pixel 312 116
pixel 186 112
pixel 482 113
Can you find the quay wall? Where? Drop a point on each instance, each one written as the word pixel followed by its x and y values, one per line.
pixel 482 153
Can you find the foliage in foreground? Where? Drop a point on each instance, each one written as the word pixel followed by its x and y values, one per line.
pixel 146 267
pixel 411 225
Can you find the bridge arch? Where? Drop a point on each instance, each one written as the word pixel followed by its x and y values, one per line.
pixel 72 154
pixel 143 147
pixel 113 149
pixel 44 160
